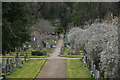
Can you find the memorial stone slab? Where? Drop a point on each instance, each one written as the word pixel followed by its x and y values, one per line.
pixel 11 53
pixel 8 66
pixel 21 53
pixel 11 68
pixel 3 68
pixel 70 52
pixel 16 62
pixel 20 64
pixel 77 52
pixel 62 50
pixel 94 71
pixel 13 61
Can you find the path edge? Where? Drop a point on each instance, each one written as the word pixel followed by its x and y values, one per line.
pixel 40 70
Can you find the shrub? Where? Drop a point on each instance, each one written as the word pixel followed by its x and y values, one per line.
pixel 37 53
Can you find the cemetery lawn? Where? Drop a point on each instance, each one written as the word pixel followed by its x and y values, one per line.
pixel 29 70
pixel 73 69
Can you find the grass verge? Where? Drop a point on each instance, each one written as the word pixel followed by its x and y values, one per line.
pixel 73 69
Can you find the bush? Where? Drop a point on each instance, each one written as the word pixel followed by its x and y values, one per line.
pixel 37 53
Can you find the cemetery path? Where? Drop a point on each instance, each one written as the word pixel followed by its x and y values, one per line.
pixel 53 67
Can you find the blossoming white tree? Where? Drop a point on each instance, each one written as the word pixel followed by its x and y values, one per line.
pixel 100 41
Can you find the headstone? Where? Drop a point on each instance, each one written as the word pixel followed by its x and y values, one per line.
pixel 21 53
pixel 3 62
pixel 11 68
pixel 34 45
pixel 3 68
pixel 16 62
pixel 8 66
pixel 17 56
pixel 20 64
pixel 62 50
pixel 56 37
pixel 98 75
pixel 37 49
pixel 77 52
pixel 51 43
pixel 84 60
pixel 94 71
pixel 89 65
pixel 11 53
pixel 13 61
pixel 70 52
pixel 55 42
pixel 92 65
pixel 48 47
pixel 27 45
pixel 44 52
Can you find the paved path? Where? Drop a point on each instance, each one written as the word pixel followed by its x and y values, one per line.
pixel 53 67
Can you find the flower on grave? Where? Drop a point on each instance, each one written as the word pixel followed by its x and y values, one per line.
pixel 20 65
pixel 26 59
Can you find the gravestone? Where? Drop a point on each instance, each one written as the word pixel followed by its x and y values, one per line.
pixel 55 42
pixel 20 64
pixel 56 37
pixel 71 45
pixel 77 52
pixel 98 75
pixel 13 61
pixel 16 62
pixel 70 52
pixel 11 68
pixel 48 47
pixel 89 65
pixel 11 53
pixel 27 45
pixel 44 53
pixel 51 43
pixel 21 53
pixel 62 50
pixel 94 71
pixel 3 68
pixel 37 49
pixel 17 56
pixel 34 45
pixel 92 65
pixel 7 67
pixel 84 60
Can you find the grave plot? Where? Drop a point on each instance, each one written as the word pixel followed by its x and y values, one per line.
pixel 29 70
pixel 68 50
pixel 35 49
pixel 9 65
pixel 75 69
